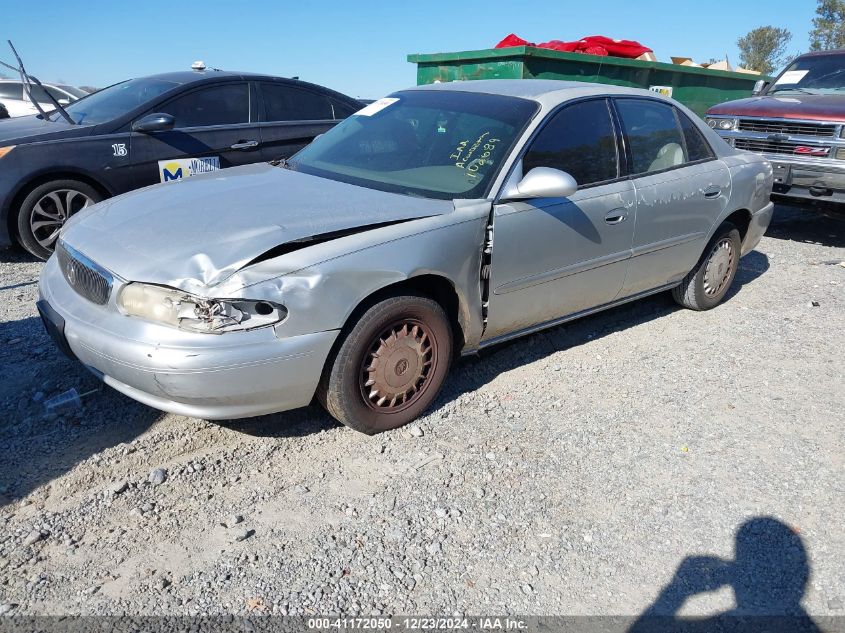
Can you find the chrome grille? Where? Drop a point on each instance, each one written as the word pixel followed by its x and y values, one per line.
pixel 83 275
pixel 793 128
pixel 777 147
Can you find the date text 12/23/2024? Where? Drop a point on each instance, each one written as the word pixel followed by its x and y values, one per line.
pixel 418 623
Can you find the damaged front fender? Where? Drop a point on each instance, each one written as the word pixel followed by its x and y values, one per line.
pixel 322 285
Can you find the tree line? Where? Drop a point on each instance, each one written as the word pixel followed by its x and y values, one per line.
pixel 764 49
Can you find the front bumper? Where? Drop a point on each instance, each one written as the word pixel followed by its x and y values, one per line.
pixel 233 375
pixel 812 180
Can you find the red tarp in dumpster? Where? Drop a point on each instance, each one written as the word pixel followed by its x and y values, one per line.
pixel 591 45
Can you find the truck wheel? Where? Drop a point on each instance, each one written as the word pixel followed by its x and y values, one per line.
pixel 45 210
pixel 707 284
pixel 390 366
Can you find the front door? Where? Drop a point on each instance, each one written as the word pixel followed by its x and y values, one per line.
pixel 558 256
pixel 214 130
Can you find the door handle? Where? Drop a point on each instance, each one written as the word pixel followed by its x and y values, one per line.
pixel 713 191
pixel 617 216
pixel 245 145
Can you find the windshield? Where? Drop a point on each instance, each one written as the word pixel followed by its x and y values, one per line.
pixel 822 74
pixel 114 101
pixel 435 144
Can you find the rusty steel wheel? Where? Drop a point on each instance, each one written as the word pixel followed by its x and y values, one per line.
pixel 389 364
pixel 397 368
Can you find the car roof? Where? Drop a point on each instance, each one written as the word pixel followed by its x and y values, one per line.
pixel 833 51
pixel 184 77
pixel 195 76
pixel 536 89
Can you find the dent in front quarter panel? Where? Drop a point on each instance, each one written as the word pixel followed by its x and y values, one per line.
pixel 322 296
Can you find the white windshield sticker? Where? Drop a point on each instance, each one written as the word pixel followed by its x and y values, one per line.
pixel 178 168
pixel 792 76
pixel 377 106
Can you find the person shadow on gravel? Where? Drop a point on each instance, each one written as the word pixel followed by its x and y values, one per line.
pixel 768 577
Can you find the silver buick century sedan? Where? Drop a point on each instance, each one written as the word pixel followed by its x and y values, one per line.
pixel 435 222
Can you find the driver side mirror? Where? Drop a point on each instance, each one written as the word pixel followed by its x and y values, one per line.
pixel 542 182
pixel 759 86
pixel 156 122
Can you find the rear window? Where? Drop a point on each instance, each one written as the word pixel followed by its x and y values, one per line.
pixel 290 103
pixel 11 90
pixel 697 147
pixel 343 109
pixel 653 135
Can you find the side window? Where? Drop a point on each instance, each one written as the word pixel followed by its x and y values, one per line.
pixel 39 93
pixel 290 103
pixel 579 140
pixel 225 104
pixel 11 90
pixel 653 134
pixel 343 109
pixel 697 146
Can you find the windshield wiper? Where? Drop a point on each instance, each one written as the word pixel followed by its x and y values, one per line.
pixel 795 89
pixel 28 80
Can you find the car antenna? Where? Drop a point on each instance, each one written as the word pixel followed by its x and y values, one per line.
pixel 28 80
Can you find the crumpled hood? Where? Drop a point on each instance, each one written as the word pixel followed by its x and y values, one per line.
pixel 200 230
pixel 788 105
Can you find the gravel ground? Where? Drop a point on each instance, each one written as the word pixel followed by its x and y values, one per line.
pixel 571 472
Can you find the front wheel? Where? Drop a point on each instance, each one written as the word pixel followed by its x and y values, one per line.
pixel 45 210
pixel 390 366
pixel 708 283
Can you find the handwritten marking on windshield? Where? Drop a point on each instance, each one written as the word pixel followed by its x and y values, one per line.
pixel 465 157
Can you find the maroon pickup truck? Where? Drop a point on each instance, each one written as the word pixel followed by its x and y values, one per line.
pixel 798 123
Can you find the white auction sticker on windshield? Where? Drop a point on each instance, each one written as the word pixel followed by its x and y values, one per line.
pixel 377 106
pixel 792 76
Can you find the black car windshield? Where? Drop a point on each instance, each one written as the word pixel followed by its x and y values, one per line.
pixel 114 101
pixel 432 143
pixel 817 74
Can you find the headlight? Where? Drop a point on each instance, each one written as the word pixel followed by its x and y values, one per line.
pixel 721 124
pixel 6 150
pixel 180 309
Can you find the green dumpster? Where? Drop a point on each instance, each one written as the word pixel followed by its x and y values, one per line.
pixel 697 88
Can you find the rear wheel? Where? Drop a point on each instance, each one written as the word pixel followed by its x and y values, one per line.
pixel 708 283
pixel 390 366
pixel 46 209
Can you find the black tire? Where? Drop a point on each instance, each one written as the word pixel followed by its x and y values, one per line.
pixel 708 283
pixel 409 368
pixel 39 224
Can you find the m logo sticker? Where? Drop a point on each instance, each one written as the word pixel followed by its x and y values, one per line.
pixel 180 168
pixel 171 171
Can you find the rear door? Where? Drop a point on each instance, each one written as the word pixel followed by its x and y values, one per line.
pixel 293 116
pixel 215 128
pixel 681 189
pixel 557 256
